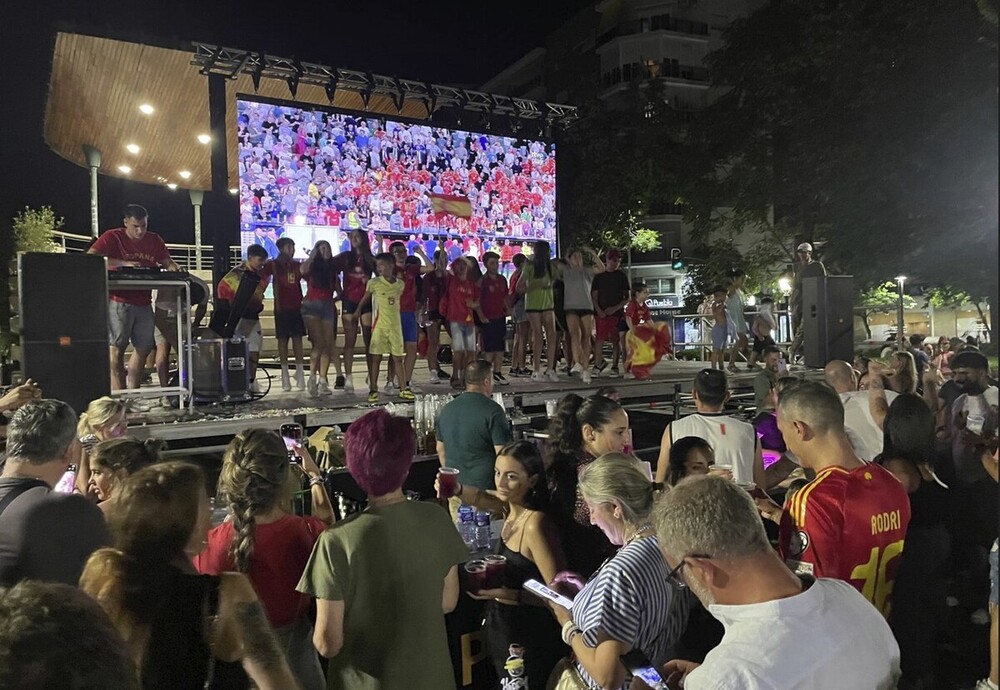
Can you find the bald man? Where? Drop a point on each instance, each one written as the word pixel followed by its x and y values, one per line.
pixel 850 521
pixel 864 411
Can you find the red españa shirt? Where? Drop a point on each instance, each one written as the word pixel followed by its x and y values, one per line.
pixel 408 274
pixel 287 276
pixel 356 275
pixel 150 251
pixel 280 552
pixel 493 296
pixel 637 313
pixel 456 299
pixel 849 525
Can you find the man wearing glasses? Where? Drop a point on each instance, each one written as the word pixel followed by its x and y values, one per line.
pixel 782 630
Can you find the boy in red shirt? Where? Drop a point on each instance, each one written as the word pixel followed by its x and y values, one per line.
pixel 636 313
pixel 409 274
pixel 460 300
pixel 493 297
pixel 288 323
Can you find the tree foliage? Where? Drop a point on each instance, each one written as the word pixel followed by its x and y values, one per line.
pixel 33 230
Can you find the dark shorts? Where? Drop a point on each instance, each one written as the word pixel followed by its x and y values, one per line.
pixel 607 327
pixel 408 320
pixel 130 322
pixel 434 315
pixel 760 344
pixel 494 335
pixel 350 307
pixel 289 324
pixel 580 312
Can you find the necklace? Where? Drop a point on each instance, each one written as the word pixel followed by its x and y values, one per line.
pixel 506 534
pixel 638 534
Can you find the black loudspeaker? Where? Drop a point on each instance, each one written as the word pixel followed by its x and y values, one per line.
pixel 828 319
pixel 63 306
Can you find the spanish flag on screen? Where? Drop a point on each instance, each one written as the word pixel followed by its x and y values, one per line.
pixel 446 204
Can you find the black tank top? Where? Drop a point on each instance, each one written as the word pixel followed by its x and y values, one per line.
pixel 177 656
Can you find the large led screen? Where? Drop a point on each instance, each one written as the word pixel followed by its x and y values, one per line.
pixel 311 173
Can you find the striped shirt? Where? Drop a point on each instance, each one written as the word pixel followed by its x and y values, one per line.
pixel 632 601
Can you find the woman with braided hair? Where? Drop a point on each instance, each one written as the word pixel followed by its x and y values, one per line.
pixel 267 542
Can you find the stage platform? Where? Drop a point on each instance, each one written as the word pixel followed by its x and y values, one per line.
pixel 212 425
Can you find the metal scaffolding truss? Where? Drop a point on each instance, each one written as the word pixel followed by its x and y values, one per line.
pixel 230 62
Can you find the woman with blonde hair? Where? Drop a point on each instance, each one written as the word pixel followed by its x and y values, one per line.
pixel 104 419
pixel 113 460
pixel 263 539
pixel 903 372
pixel 629 603
pixel 183 630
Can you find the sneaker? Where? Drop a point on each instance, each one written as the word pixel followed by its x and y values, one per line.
pixel 500 380
pixel 313 388
pixel 985 684
pixel 373 397
pixel 538 376
pixel 601 366
pixel 595 372
pixel 433 378
pixel 338 383
pixel 137 405
pixel 553 376
pixel 349 385
pixel 443 375
pixel 585 377
pixel 407 394
pixel 165 402
pixel 286 381
pixel 628 376
pixel 456 383
pixel 576 369
pixel 614 373
pixel 324 387
pixel 389 387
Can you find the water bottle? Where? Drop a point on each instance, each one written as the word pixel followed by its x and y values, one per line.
pixel 467 526
pixel 482 532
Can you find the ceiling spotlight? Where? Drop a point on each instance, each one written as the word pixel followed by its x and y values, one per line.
pixel 125 169
pixel 146 109
pixel 132 148
pixel 172 185
pixel 185 174
pixel 234 190
pixel 204 138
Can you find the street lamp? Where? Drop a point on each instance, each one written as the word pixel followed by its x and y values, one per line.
pixel 900 340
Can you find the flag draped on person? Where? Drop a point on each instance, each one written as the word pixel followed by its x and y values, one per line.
pixel 646 347
pixel 451 205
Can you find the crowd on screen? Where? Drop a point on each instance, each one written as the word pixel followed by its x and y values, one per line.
pixel 344 171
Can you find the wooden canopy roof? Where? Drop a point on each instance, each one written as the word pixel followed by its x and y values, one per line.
pixel 96 88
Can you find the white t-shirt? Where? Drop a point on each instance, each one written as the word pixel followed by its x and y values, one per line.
pixel 866 435
pixel 733 441
pixel 968 468
pixel 829 637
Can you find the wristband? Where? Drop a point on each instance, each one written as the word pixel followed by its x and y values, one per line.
pixel 315 481
pixel 569 629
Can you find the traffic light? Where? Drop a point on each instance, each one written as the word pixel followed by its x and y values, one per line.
pixel 676 262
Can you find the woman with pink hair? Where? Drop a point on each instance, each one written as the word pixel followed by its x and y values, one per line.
pixel 384 578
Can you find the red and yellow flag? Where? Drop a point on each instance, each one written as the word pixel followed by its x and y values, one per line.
pixel 451 205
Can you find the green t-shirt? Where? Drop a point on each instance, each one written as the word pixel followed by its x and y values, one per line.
pixel 538 296
pixel 470 427
pixel 388 566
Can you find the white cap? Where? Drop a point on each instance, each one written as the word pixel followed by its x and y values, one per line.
pixel 804 247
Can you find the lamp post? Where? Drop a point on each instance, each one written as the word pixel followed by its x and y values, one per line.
pixel 900 340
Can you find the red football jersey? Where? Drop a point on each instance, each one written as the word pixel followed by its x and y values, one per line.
pixel 849 525
pixel 287 275
pixel 637 313
pixel 456 301
pixel 356 275
pixel 493 296
pixel 408 274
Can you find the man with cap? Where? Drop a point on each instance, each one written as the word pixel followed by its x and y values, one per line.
pixel 610 292
pixel 805 267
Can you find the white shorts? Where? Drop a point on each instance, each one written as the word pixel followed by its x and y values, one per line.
pixel 251 332
pixel 463 337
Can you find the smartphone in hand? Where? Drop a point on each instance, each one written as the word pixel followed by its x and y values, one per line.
pixel 291 434
pixel 641 667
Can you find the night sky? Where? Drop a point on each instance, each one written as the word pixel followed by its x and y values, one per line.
pixel 443 41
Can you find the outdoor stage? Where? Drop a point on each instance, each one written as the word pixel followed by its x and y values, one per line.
pixel 211 426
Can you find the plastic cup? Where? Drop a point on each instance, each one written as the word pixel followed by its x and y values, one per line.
pixel 447 482
pixel 476 570
pixel 550 408
pixel 749 487
pixel 495 566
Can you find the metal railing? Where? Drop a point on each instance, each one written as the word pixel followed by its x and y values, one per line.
pixel 184 255
pixel 704 323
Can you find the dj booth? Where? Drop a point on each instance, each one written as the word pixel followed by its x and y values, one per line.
pixel 63 315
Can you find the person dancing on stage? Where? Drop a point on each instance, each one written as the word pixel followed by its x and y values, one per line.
pixel 435 287
pixel 357 264
pixel 288 323
pixel 409 274
pixel 321 317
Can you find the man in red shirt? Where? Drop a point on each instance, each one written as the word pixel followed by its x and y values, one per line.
pixel 288 323
pixel 492 298
pixel 850 521
pixel 130 316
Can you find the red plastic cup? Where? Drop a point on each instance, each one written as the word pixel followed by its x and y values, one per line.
pixel 495 566
pixel 447 482
pixel 476 570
